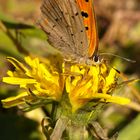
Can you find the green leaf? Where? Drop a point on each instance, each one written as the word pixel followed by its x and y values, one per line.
pixel 131 131
pixel 16 25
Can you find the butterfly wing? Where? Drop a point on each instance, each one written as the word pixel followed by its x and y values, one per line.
pixel 87 10
pixel 55 25
pixel 67 27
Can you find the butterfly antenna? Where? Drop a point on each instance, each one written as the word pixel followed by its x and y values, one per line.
pixel 126 59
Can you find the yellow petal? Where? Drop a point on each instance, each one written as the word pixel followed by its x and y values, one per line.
pixel 109 98
pixel 14 101
pixel 110 81
pixel 18 81
pixel 22 98
pixel 10 73
pixel 119 100
pixel 18 65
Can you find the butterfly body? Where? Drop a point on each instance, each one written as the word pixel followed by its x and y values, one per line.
pixel 71 28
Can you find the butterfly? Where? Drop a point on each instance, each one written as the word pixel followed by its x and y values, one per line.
pixel 71 28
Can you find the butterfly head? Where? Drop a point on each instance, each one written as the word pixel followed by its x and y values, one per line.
pixel 95 60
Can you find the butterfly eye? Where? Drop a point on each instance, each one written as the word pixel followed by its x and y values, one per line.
pixel 95 61
pixel 96 58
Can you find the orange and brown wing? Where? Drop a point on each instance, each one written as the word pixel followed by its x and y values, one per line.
pixel 70 26
pixel 63 23
pixel 87 11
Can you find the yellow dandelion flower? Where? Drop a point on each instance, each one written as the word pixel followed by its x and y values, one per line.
pixel 93 82
pixel 35 76
pixel 83 83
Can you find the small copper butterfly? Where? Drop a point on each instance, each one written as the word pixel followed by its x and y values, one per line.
pixel 71 28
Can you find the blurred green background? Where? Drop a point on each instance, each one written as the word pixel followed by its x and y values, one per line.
pixel 119 32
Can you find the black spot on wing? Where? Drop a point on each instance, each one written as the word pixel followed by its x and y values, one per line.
pixel 84 14
pixel 86 28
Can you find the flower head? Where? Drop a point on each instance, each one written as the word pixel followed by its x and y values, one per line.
pixel 83 83
pixel 92 82
pixel 36 78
